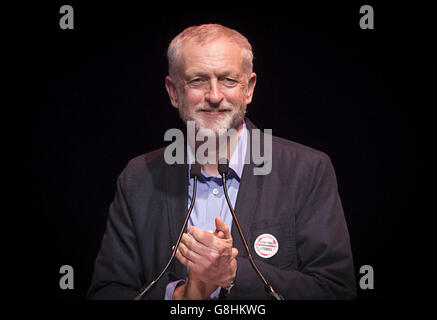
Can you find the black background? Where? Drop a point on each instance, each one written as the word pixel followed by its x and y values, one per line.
pixel 85 101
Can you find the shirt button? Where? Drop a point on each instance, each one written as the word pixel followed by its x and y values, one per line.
pixel 215 191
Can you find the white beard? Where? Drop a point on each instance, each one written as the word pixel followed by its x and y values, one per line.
pixel 230 120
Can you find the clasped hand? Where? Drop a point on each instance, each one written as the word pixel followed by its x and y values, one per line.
pixel 210 258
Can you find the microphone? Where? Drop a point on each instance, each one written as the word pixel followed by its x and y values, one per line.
pixel 194 173
pixel 223 168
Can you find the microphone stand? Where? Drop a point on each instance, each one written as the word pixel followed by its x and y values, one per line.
pixel 223 168
pixel 195 172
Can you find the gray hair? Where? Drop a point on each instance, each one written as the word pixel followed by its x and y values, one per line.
pixel 203 34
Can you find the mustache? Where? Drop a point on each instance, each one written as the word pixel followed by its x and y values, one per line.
pixel 221 108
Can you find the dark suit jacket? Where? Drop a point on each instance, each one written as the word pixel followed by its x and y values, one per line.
pixel 297 202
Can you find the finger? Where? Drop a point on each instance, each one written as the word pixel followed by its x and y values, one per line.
pixel 234 252
pixel 196 246
pixel 219 234
pixel 201 236
pixel 186 262
pixel 190 254
pixel 223 227
pixel 181 258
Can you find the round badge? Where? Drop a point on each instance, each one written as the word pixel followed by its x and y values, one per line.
pixel 266 245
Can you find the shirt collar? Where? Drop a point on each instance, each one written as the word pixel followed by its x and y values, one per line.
pixel 237 160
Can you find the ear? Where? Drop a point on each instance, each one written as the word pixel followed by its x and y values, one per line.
pixel 170 86
pixel 250 87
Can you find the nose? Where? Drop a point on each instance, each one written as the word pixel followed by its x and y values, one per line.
pixel 214 96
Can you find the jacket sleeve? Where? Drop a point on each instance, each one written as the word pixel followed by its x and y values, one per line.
pixel 324 258
pixel 118 270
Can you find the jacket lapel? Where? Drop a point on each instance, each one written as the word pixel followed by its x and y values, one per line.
pixel 249 192
pixel 177 197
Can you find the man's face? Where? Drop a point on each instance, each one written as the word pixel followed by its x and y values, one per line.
pixel 211 88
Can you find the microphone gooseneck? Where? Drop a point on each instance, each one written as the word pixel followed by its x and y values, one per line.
pixel 223 168
pixel 194 173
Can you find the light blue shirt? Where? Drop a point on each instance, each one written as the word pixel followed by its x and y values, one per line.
pixel 210 198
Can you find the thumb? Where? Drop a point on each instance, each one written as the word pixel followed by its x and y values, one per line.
pixel 219 234
pixel 234 252
pixel 220 225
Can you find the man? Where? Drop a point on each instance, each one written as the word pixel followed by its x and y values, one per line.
pixel 292 217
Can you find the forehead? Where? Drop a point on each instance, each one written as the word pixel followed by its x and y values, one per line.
pixel 219 55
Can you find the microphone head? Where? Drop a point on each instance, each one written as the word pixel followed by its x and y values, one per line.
pixel 223 166
pixel 195 170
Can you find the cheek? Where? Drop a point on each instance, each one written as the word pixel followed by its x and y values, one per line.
pixel 193 97
pixel 235 96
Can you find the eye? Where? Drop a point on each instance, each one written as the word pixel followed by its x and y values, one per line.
pixel 229 82
pixel 196 82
